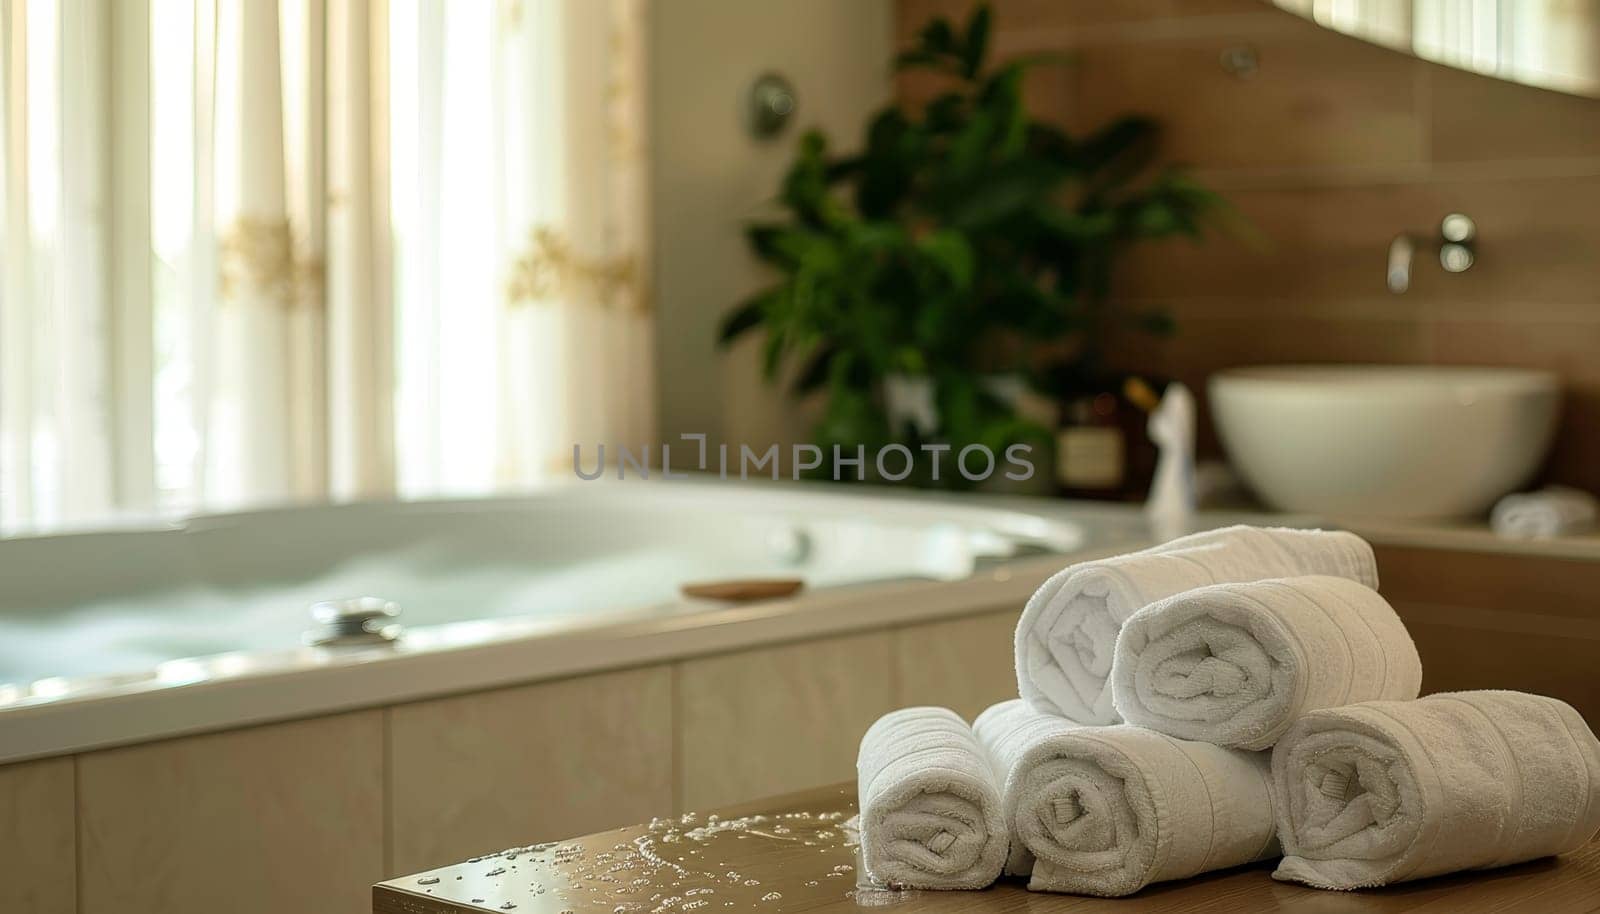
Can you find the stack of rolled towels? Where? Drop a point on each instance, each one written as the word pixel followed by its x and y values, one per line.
pixel 1228 697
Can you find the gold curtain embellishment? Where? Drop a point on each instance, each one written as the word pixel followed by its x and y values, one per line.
pixel 550 269
pixel 257 256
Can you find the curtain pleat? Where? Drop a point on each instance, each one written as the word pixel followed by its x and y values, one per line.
pixel 251 442
pixel 56 416
pixel 576 322
pixel 359 311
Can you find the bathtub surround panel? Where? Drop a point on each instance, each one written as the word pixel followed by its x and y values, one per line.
pixel 961 664
pixel 1331 147
pixel 265 820
pixel 38 841
pixel 779 719
pixel 479 773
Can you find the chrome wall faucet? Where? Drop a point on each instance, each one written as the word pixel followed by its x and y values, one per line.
pixel 1401 251
pixel 1457 240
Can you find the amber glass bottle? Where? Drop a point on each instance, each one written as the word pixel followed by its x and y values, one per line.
pixel 1103 450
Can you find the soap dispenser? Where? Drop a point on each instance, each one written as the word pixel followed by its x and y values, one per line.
pixel 1171 503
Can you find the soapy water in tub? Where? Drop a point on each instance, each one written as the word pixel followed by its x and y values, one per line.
pixel 434 584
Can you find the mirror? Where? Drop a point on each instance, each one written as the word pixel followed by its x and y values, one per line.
pixel 1554 44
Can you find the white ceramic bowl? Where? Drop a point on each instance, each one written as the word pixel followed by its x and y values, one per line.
pixel 1399 442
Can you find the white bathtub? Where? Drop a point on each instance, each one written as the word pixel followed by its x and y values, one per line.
pixel 117 637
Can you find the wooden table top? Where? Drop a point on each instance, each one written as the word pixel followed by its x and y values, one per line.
pixel 791 854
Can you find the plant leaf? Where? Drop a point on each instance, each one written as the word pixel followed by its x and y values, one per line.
pixel 745 317
pixel 817 369
pixel 976 41
pixel 952 254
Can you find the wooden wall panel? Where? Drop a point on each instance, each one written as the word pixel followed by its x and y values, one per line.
pixel 1330 149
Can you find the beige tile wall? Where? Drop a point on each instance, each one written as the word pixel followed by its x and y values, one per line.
pixel 287 817
pixel 964 664
pixel 38 844
pixel 1329 150
pixel 478 773
pixel 756 723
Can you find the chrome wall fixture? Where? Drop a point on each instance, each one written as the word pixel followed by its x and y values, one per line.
pixel 1457 233
pixel 771 105
pixel 1458 236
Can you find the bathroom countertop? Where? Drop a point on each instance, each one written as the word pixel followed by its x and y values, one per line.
pixel 792 853
pixel 1472 536
pixel 1469 535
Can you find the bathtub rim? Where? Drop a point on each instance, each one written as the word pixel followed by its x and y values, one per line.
pixel 515 651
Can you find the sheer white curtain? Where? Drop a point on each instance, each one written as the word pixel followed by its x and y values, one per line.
pixel 524 325
pixel 260 251
pixel 56 442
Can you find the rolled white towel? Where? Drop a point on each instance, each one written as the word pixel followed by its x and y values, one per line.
pixel 930 803
pixel 1551 511
pixel 1006 731
pixel 1237 664
pixel 1387 791
pixel 1068 630
pixel 1108 810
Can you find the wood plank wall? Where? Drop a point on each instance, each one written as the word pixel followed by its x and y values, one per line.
pixel 1330 149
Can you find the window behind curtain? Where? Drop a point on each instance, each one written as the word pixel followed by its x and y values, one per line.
pixel 498 314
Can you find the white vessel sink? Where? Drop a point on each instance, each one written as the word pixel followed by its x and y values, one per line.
pixel 1397 442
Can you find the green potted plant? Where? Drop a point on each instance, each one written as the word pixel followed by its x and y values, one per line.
pixel 965 243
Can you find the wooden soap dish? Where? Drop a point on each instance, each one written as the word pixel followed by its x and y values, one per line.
pixel 743 590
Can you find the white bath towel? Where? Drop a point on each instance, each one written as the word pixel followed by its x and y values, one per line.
pixel 1236 664
pixel 1109 810
pixel 1068 630
pixel 1551 511
pixel 930 804
pixel 1006 731
pixel 1386 791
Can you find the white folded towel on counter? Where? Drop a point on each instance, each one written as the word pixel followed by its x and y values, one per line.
pixel 1108 810
pixel 930 803
pixel 1552 511
pixel 1237 664
pixel 1065 639
pixel 1387 791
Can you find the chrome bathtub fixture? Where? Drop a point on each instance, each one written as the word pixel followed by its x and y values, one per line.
pixel 1457 240
pixel 363 620
pixel 772 103
pixel 789 544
